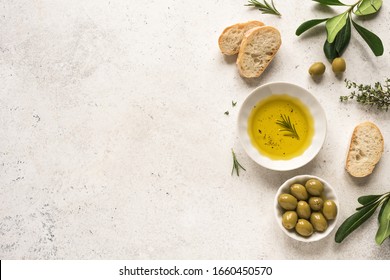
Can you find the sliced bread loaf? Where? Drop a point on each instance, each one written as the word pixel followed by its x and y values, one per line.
pixel 230 39
pixel 258 48
pixel 365 149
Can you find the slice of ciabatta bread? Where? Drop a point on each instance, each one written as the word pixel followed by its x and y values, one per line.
pixel 365 149
pixel 230 39
pixel 258 48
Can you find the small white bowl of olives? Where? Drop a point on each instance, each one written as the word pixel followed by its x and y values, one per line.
pixel 306 208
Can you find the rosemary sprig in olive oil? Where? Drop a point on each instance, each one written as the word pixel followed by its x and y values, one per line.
pixel 236 165
pixel 377 95
pixel 265 8
pixel 287 126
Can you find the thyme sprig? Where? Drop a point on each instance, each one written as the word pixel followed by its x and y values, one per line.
pixel 377 95
pixel 287 126
pixel 236 165
pixel 265 8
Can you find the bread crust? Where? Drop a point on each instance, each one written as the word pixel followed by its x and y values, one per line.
pixel 242 28
pixel 359 162
pixel 248 38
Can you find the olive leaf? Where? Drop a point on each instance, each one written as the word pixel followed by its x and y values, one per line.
pixel 336 49
pixel 370 204
pixel 384 224
pixel 343 38
pixel 381 211
pixel 342 24
pixel 368 7
pixel 354 221
pixel 330 50
pixel 309 24
pixel 367 205
pixel 334 25
pixel 367 199
pixel 330 2
pixel 373 41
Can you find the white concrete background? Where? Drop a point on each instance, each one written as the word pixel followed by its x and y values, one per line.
pixel 114 143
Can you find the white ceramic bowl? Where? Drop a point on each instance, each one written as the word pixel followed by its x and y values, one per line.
pixel 329 193
pixel 307 99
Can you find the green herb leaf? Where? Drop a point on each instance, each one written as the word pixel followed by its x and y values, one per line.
pixel 236 165
pixel 330 2
pixel 367 199
pixel 330 50
pixel 334 25
pixel 234 103
pixel 227 113
pixel 368 7
pixel 384 224
pixel 373 41
pixel 287 126
pixel 265 8
pixel 343 38
pixel 381 211
pixel 336 49
pixel 308 24
pixel 372 95
pixel 354 221
pixel 339 27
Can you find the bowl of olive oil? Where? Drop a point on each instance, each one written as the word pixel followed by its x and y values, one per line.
pixel 281 126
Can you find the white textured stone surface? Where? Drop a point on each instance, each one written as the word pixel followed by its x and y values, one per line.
pixel 114 143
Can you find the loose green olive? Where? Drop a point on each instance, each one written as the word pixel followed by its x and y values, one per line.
pixel 287 201
pixel 317 69
pixel 299 191
pixel 289 219
pixel 329 210
pixel 316 203
pixel 303 210
pixel 318 221
pixel 314 187
pixel 304 228
pixel 339 65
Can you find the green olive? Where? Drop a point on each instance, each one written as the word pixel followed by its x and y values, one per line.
pixel 287 201
pixel 314 187
pixel 303 210
pixel 316 203
pixel 289 219
pixel 299 191
pixel 318 221
pixel 317 69
pixel 329 210
pixel 339 65
pixel 304 228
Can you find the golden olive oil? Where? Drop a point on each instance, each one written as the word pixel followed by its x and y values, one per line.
pixel 273 140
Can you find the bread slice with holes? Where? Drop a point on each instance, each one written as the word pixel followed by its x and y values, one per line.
pixel 230 39
pixel 258 47
pixel 365 150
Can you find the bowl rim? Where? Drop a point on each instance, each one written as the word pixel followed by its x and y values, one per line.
pixel 314 107
pixel 316 235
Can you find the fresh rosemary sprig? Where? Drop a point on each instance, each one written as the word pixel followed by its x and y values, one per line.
pixel 369 205
pixel 338 28
pixel 377 95
pixel 236 165
pixel 265 7
pixel 287 126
